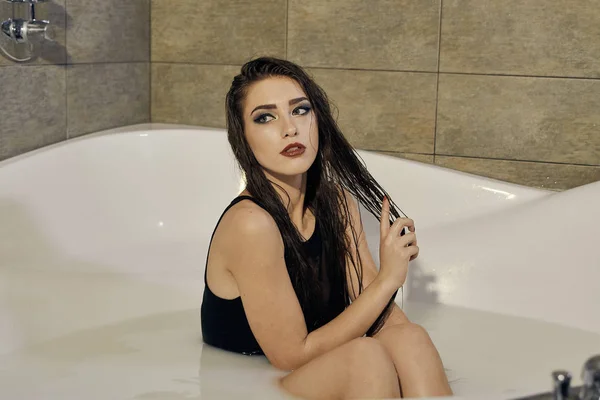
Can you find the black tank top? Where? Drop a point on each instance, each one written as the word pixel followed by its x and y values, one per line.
pixel 224 322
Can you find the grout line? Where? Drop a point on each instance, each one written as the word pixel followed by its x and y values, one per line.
pixel 480 158
pixel 393 70
pixel 66 103
pixel 369 69
pixel 66 15
pixel 325 68
pixel 437 83
pixel 399 152
pixel 304 66
pixel 66 28
pixel 150 61
pixel 197 63
pixel 79 63
pixel 440 35
pixel 287 26
pixel 519 160
pixel 520 75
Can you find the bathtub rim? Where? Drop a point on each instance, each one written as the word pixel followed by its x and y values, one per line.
pixel 161 127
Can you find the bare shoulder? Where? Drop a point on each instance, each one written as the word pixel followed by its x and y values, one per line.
pixel 248 217
pixel 246 227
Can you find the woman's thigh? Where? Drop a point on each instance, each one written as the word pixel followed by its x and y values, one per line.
pixel 359 368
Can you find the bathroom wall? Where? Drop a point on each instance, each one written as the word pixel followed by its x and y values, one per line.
pixel 96 75
pixel 508 89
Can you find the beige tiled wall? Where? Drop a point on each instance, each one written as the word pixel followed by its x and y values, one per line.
pixel 96 75
pixel 502 88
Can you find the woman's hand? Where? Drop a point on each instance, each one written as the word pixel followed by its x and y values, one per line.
pixel 395 250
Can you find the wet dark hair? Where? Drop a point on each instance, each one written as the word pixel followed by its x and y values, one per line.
pixel 336 167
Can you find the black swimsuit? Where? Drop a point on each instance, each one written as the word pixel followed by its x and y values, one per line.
pixel 224 322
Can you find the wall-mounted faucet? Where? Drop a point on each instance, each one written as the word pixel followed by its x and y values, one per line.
pixel 24 32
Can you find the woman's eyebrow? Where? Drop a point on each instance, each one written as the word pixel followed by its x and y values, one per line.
pixel 273 106
pixel 297 100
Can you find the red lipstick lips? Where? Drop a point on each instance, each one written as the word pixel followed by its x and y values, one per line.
pixel 293 149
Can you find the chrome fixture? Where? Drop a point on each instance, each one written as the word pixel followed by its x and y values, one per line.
pixel 21 35
pixel 590 390
pixel 562 383
pixel 591 380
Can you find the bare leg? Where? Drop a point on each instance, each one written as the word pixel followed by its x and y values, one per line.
pixel 416 359
pixel 360 368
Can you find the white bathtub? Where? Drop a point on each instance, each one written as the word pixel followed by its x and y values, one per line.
pixel 102 251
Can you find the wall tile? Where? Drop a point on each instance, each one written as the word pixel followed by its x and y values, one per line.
pixel 103 96
pixel 47 52
pixel 375 34
pixel 216 31
pixel 542 175
pixel 191 94
pixel 6 10
pixel 108 30
pixel 386 111
pixel 532 119
pixel 424 158
pixel 549 38
pixel 35 114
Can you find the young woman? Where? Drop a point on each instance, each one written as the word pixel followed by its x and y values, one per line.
pixel 289 273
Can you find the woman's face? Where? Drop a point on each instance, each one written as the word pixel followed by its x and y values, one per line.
pixel 277 113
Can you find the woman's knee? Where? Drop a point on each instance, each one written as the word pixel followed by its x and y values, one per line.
pixel 367 353
pixel 371 369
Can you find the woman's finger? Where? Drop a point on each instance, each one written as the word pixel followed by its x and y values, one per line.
pixel 408 239
pixel 384 224
pixel 413 251
pixel 414 257
pixel 399 224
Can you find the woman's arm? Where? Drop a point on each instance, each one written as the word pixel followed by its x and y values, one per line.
pixel 270 303
pixel 369 267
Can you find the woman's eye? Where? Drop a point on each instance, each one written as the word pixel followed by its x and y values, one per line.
pixel 302 110
pixel 263 118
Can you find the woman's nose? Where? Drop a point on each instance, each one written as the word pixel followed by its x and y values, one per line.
pixel 290 128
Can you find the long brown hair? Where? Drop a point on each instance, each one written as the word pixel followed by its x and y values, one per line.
pixel 337 166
